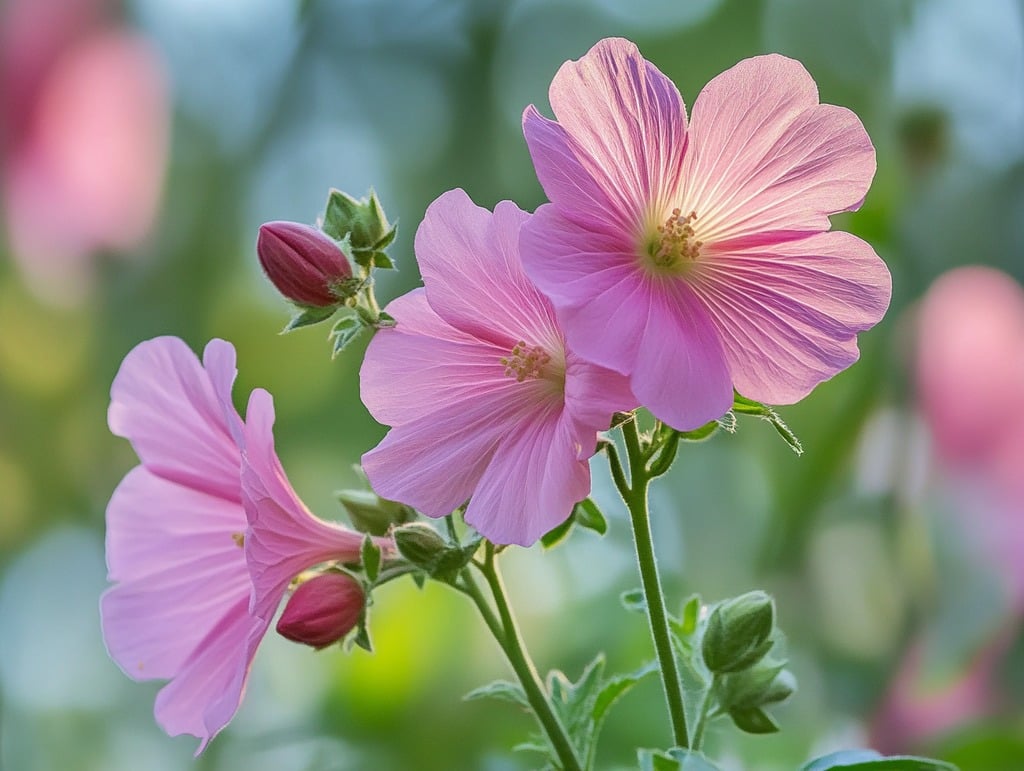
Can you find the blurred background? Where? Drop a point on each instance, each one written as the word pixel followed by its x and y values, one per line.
pixel 143 142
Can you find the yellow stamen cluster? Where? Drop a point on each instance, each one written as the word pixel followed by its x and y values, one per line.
pixel 239 539
pixel 525 361
pixel 675 241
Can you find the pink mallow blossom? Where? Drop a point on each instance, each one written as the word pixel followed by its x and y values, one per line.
pixel 697 258
pixel 183 607
pixel 485 401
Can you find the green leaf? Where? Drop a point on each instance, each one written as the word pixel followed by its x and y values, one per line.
pixel 362 637
pixel 675 759
pixel 588 515
pixel 386 240
pixel 346 329
pixel 634 600
pixel 746 406
pixel 307 316
pixel 613 689
pixel 502 690
pixel 869 760
pixel 369 552
pixel 690 616
pixel 557 534
pixel 700 434
pixel 342 210
pixel 754 721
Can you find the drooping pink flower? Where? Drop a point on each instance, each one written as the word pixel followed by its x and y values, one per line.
pixel 696 258
pixel 485 401
pixel 176 525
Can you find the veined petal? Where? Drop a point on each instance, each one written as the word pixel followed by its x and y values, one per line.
pixel 622 131
pixel 469 260
pixel 283 538
pixel 592 395
pixel 407 366
pixel 165 404
pixel 766 158
pixel 789 314
pixel 531 483
pixel 205 695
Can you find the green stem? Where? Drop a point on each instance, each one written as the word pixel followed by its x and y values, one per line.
pixel 702 719
pixel 635 497
pixel 505 630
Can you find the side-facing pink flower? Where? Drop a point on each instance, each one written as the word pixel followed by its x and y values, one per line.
pixel 485 401
pixel 180 609
pixel 696 258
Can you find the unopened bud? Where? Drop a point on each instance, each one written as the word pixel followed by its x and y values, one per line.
pixel 323 610
pixel 420 544
pixel 738 633
pixel 767 682
pixel 369 513
pixel 304 264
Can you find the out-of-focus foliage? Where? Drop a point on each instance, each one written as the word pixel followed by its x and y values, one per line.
pixel 888 605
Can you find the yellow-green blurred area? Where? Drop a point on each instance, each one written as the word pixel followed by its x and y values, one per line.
pixel 888 607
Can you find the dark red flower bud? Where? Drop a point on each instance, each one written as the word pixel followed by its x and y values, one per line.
pixel 304 264
pixel 322 610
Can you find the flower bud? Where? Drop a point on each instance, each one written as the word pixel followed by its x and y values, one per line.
pixel 322 610
pixel 369 513
pixel 420 544
pixel 304 264
pixel 767 682
pixel 738 633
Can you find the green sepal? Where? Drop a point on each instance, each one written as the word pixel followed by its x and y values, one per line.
pixel 690 616
pixel 869 760
pixel 369 553
pixel 702 433
pixel 753 687
pixel 587 514
pixel 634 600
pixel 308 315
pixel 346 329
pixel 743 406
pixel 557 534
pixel 361 638
pixel 675 759
pixel 754 721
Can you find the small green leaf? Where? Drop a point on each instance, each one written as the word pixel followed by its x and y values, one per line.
pixel 588 515
pixel 700 434
pixel 634 600
pixel 420 579
pixel 754 721
pixel 370 554
pixel 346 329
pixel 342 210
pixel 869 760
pixel 613 689
pixel 502 690
pixel 675 759
pixel 308 316
pixel 385 319
pixel 387 238
pixel 746 406
pixel 557 534
pixel 690 616
pixel 362 637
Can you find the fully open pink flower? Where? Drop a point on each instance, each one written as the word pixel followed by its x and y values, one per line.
pixel 180 609
pixel 697 258
pixel 486 402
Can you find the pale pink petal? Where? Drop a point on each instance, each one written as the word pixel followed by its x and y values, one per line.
pixel 172 553
pixel 469 259
pixel 765 158
pixel 164 403
pixel 283 538
pixel 592 395
pixel 219 363
pixel 789 314
pixel 530 484
pixel 625 127
pixel 408 365
pixel 206 693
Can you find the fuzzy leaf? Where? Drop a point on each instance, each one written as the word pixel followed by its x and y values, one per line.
pixel 503 690
pixel 346 329
pixel 308 316
pixel 869 760
pixel 370 555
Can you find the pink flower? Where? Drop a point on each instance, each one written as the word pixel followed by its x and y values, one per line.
pixel 697 259
pixel 485 400
pixel 180 609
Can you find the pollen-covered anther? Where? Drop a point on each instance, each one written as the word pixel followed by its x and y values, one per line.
pixel 676 240
pixel 525 361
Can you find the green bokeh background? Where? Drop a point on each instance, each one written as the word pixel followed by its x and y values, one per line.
pixel 413 97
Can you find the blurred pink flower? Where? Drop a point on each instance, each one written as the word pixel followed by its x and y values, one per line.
pixel 696 259
pixel 180 609
pixel 85 130
pixel 485 401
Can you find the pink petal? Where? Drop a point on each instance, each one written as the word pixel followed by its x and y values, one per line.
pixel 624 133
pixel 470 264
pixel 284 538
pixel 171 550
pixel 205 695
pixel 766 158
pixel 789 314
pixel 164 403
pixel 592 395
pixel 531 484
pixel 407 366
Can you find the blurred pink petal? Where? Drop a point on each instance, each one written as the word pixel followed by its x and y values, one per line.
pixel 484 400
pixel 693 258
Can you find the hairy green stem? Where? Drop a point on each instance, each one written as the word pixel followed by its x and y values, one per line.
pixel 703 713
pixel 635 496
pixel 505 630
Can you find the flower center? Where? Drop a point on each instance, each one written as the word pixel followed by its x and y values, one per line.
pixel 674 246
pixel 525 362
